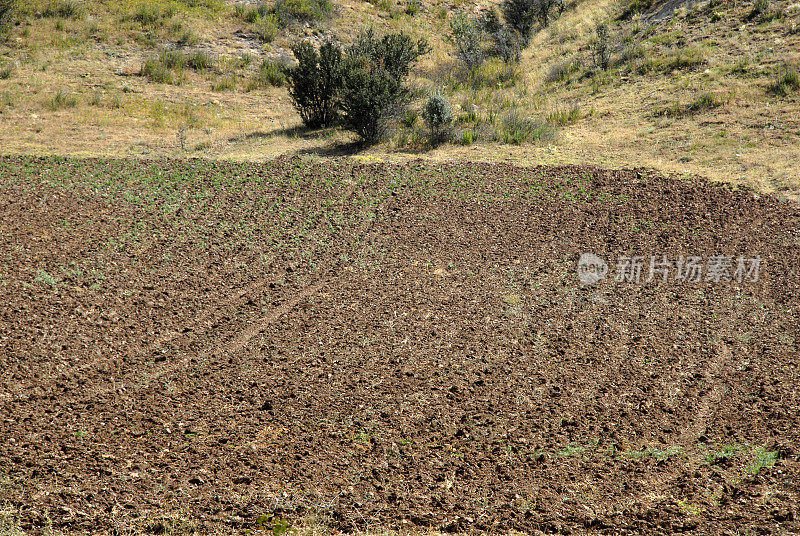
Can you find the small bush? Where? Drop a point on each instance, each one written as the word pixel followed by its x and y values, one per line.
pixel 251 13
pixel 493 73
pixel 635 7
pixel 270 73
pixel 467 137
pixel 467 38
pixel 157 72
pixel 409 118
pixel 438 115
pixel 507 44
pixel 267 27
pixel 182 35
pixel 678 59
pixel 173 59
pixel 760 9
pixel 740 68
pixel 787 81
pixel 477 39
pixel 601 48
pixel 168 67
pixel 564 116
pixel 151 14
pixel 315 82
pixel 522 15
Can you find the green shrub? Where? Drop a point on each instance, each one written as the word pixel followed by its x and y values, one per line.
pixel 760 9
pixel 151 14
pixel 438 115
pixel 168 67
pixel 476 39
pixel 601 47
pixel 182 35
pixel 635 7
pixel 157 72
pixel 173 59
pixel 372 83
pixel 493 73
pixel 467 137
pixel 315 82
pixel 266 28
pixel 564 116
pixel 467 38
pixel 562 71
pixel 251 13
pixel 522 15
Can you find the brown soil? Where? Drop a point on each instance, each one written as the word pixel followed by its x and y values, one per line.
pixel 390 346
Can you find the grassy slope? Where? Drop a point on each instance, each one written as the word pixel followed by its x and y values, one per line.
pixel 635 114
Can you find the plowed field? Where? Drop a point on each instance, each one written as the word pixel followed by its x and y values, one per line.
pixel 221 347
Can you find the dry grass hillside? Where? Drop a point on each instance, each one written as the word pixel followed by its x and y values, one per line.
pixel 706 88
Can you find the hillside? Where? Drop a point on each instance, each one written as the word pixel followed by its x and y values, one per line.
pixel 691 91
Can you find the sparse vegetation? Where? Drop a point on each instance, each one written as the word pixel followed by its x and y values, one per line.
pixel 514 128
pixel 787 81
pixel 62 100
pixel 64 9
pixel 269 73
pixel 764 459
pixel 705 101
pixel 291 11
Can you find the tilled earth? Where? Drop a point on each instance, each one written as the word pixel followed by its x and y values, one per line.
pixel 223 347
